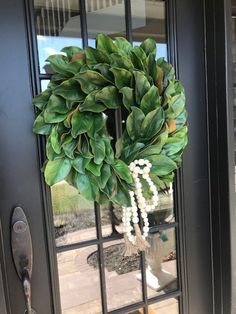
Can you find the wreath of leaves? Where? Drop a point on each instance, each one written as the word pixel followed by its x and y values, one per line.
pixel 72 113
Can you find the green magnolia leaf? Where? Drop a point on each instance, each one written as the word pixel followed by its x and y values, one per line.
pixel 98 149
pixel 162 165
pixel 133 123
pixel 97 125
pixel 151 100
pixel 70 104
pixel 69 90
pixel 40 126
pixel 110 188
pixel 105 43
pixel 175 106
pixel 41 100
pixel 80 163
pixel 71 50
pixel 109 153
pixel 122 170
pixel 128 97
pixel 152 123
pixel 57 79
pixel 69 145
pixel 139 52
pixel 123 44
pixel 142 85
pixel 181 119
pixel 105 175
pixel 55 140
pixel 91 104
pixel 50 153
pixel 149 46
pixel 90 81
pixel 86 187
pixel 95 56
pixel 109 96
pixel 119 147
pixel 57 104
pixel 121 61
pixel 75 66
pixel 103 200
pixel 81 123
pixel 56 170
pixel 85 148
pixel 59 64
pixel 168 70
pixel 137 62
pixel 151 67
pixel 53 117
pixel 122 77
pixel 94 168
pixel 156 146
pixel 131 151
pixel 122 197
pixel 104 69
pixel 176 142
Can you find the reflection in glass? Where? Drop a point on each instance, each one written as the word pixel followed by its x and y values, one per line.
pixel 169 306
pixel 74 218
pixel 161 272
pixel 79 282
pixel 122 285
pixel 44 84
pixel 148 20
pixel 106 17
pixel 57 25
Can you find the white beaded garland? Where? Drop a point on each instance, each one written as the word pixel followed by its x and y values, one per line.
pixel 130 214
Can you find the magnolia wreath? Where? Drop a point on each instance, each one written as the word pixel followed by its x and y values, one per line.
pixel 76 113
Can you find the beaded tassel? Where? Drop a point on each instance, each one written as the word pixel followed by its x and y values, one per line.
pixel 137 241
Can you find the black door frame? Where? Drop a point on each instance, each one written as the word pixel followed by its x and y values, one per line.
pixel 198 36
pixel 202 37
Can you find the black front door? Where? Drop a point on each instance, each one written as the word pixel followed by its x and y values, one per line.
pixel 77 261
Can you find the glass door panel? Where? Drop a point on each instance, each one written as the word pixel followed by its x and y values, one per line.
pixel 94 275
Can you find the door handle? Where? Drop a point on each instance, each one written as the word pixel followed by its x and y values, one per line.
pixel 22 253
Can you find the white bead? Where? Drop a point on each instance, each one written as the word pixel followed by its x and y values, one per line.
pixel 141 162
pixel 146 169
pixel 155 198
pixel 138 185
pixel 141 200
pixel 153 188
pixel 135 220
pixel 136 169
pixel 131 193
pixel 145 229
pixel 132 164
pixel 134 175
pixel 144 215
pixel 138 191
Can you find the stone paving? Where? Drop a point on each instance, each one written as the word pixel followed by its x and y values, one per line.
pixel 80 285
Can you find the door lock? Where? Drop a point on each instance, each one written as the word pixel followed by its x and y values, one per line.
pixel 22 252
